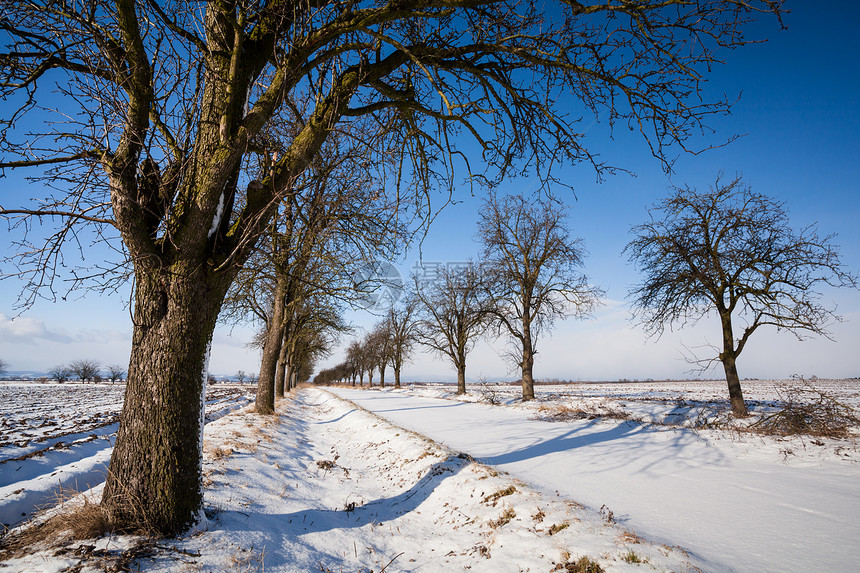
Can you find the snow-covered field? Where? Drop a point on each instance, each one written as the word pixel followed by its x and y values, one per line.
pixel 58 437
pixel 338 482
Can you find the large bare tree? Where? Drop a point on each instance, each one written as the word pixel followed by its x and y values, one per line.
pixel 534 268
pixel 732 252
pixel 144 120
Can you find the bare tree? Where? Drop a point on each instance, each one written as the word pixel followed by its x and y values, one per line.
pixel 157 140
pixel 456 309
pixel 379 345
pixel 240 376
pixel 354 362
pixel 60 373
pixel 85 370
pixel 4 367
pixel 115 372
pixel 403 327
pixel 731 251
pixel 534 267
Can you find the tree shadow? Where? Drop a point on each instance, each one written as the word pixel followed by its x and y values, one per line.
pixel 632 438
pixel 349 517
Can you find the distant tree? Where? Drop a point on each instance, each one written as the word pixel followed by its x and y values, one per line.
pixel 455 310
pixel 533 264
pixel 731 251
pixel 380 348
pixel 355 362
pixel 240 376
pixel 60 373
pixel 85 370
pixel 403 327
pixel 115 372
pixel 4 367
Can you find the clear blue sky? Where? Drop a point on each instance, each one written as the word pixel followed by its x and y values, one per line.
pixel 800 115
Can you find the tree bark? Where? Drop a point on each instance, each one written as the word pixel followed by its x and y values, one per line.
pixel 155 480
pixel 736 396
pixel 281 372
pixel 729 359
pixel 461 378
pixel 397 377
pixel 265 403
pixel 528 360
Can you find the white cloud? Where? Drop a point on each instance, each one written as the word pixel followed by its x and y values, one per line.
pixel 26 330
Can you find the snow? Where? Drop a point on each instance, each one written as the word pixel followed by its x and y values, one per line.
pixel 216 221
pixel 738 502
pixel 420 480
pixel 58 438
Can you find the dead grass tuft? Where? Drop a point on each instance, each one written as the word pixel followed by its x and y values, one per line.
pixel 492 499
pixel 504 518
pixel 581 565
pixel 556 527
pixel 221 452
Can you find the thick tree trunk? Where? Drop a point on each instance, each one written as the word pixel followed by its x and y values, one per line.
pixel 154 479
pixel 265 403
pixel 397 377
pixel 382 376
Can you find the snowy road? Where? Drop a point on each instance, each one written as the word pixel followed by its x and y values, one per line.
pixel 738 504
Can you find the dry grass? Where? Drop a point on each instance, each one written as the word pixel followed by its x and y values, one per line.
pixel 504 518
pixel 492 499
pixel 77 517
pixel 631 557
pixel 556 527
pixel 581 565
pixel 220 452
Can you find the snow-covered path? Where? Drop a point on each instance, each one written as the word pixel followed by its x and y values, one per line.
pixel 739 504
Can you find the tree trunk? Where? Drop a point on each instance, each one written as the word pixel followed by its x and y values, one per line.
pixel 729 359
pixel 736 396
pixel 265 403
pixel 461 377
pixel 281 372
pixel 382 376
pixel 154 479
pixel 397 377
pixel 527 365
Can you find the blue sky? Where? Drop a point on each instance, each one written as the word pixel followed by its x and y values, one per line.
pixel 799 114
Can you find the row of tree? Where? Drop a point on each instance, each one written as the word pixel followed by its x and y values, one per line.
pixel 178 133
pixel 529 276
pixel 86 371
pixel 728 251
